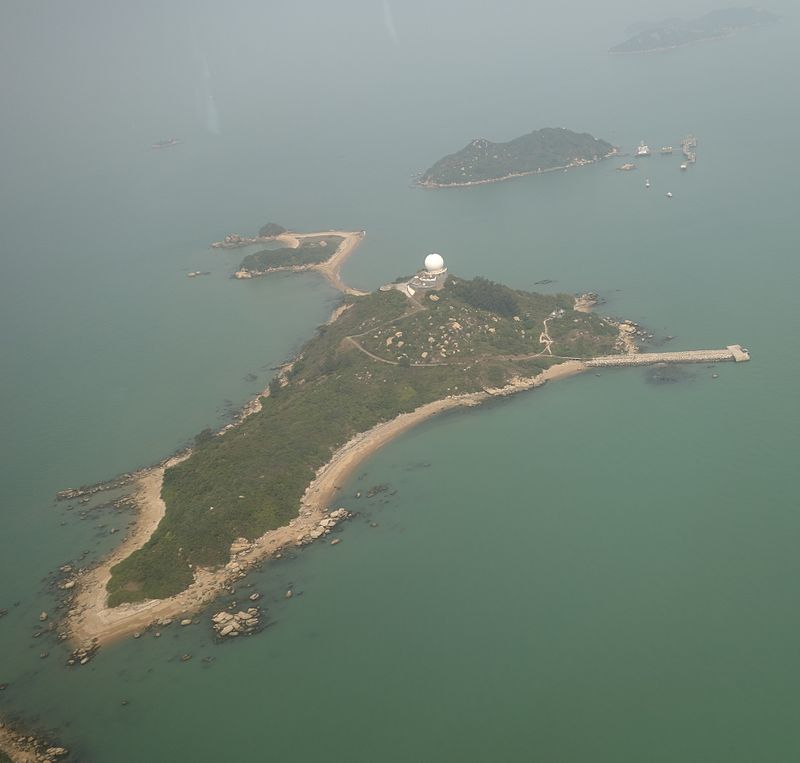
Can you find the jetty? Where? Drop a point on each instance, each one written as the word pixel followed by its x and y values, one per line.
pixel 733 352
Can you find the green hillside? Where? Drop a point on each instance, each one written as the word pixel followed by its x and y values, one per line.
pixel 482 161
pixel 386 355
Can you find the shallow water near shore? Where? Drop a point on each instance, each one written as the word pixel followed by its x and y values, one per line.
pixel 603 569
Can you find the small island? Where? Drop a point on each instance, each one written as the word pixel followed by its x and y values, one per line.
pixel 309 250
pixel 323 251
pixel 676 33
pixel 545 150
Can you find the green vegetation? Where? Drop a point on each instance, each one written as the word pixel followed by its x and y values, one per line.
pixel 4 758
pixel 479 319
pixel 312 251
pixel 482 161
pixel 674 33
pixel 488 295
pixel 384 356
pixel 271 229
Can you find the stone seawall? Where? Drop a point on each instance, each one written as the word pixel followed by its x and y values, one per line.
pixel 733 352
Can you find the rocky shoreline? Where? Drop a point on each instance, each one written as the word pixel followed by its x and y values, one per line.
pixel 90 623
pixel 23 747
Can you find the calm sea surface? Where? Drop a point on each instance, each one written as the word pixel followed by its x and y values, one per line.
pixel 603 570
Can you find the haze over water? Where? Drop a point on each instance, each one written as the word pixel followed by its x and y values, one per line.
pixel 602 570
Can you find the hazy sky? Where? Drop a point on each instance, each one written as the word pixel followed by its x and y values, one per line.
pixel 76 59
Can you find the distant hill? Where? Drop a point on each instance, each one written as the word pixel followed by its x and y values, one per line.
pixel 675 33
pixel 482 161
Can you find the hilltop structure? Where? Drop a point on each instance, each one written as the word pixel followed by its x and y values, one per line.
pixel 432 276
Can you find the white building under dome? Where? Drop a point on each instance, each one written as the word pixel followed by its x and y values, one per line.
pixel 432 276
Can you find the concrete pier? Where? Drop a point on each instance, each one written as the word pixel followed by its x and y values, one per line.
pixel 733 352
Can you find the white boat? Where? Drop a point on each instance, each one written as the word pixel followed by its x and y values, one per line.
pixel 643 149
pixel 647 183
pixel 669 194
pixel 684 166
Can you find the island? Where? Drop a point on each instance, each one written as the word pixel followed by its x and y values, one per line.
pixel 270 480
pixel 676 33
pixel 545 150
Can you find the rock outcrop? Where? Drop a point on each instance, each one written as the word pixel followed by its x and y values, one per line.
pixel 324 527
pixel 231 625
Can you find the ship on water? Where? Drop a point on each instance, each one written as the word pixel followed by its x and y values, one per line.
pixel 643 149
pixel 666 149
pixel 168 143
pixel 688 144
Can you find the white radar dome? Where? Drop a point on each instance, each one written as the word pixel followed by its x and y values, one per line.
pixel 434 262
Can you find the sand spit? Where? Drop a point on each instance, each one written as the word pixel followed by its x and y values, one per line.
pixel 91 621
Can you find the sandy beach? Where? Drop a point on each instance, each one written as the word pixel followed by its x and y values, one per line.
pixel 91 621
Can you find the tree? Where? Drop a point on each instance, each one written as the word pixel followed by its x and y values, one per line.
pixel 488 295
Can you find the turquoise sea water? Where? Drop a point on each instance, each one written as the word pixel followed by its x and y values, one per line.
pixel 602 570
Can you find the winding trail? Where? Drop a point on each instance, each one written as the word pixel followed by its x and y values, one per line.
pixel 545 339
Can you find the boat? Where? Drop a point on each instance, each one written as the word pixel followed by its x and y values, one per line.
pixel 168 143
pixel 666 149
pixel 643 149
pixel 647 183
pixel 684 166
pixel 669 194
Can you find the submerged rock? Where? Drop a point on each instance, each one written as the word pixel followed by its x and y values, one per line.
pixel 663 373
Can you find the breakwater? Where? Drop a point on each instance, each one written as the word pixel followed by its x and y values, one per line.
pixel 733 352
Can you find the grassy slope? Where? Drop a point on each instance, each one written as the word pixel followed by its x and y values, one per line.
pixel 254 475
